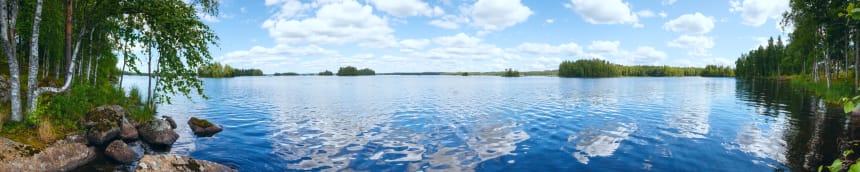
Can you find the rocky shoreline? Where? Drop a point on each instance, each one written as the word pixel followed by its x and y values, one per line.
pixel 110 132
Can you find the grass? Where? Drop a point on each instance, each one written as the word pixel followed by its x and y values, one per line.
pixel 840 87
pixel 60 114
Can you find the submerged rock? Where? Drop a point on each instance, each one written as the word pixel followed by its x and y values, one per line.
pixel 63 155
pixel 121 152
pixel 203 128
pixel 178 163
pixel 157 132
pixel 171 121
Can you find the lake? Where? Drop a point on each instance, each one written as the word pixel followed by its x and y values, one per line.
pixel 488 123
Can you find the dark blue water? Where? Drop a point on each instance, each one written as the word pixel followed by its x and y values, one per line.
pixel 453 123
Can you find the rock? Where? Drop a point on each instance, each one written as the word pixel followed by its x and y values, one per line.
pixel 157 132
pixel 119 151
pixel 104 124
pixel 171 121
pixel 102 134
pixel 127 130
pixel 63 155
pixel 178 163
pixel 203 128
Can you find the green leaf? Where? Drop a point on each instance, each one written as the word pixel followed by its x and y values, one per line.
pixel 848 106
pixel 837 164
pixel 854 168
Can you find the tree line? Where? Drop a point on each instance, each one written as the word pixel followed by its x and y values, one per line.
pixel 352 71
pixel 822 47
pixel 216 70
pixel 593 68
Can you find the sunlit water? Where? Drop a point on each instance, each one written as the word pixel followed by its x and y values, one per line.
pixel 453 123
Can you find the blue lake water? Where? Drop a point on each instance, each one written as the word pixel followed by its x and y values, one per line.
pixel 484 123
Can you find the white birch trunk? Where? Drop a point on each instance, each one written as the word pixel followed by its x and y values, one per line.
pixel 33 74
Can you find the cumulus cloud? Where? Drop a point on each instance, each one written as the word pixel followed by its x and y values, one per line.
pixel 646 14
pixel 567 49
pixel 494 15
pixel 409 45
pixel 405 8
pixel 550 21
pixel 663 14
pixel 334 23
pixel 604 11
pixel 757 12
pixel 691 23
pixel 608 47
pixel 208 18
pixel 695 45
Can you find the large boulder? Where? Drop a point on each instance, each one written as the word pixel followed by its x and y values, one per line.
pixel 121 152
pixel 157 132
pixel 104 123
pixel 127 130
pixel 178 163
pixel 63 155
pixel 203 128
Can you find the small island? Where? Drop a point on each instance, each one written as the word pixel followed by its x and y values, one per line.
pixel 352 71
pixel 287 74
pixel 325 73
pixel 216 70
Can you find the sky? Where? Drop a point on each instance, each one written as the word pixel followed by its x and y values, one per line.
pixel 487 35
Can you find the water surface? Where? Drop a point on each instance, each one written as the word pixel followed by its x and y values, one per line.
pixel 477 123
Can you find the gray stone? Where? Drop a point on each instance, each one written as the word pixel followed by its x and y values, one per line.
pixel 157 132
pixel 178 163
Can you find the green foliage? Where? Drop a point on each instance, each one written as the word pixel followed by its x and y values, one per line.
pixel 465 74
pixel 325 73
pixel 287 74
pixel 511 73
pixel 216 70
pixel 247 72
pixel 767 61
pixel 592 68
pixel 589 68
pixel 718 71
pixel 352 71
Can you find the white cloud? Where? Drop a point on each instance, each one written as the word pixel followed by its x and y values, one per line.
pixel 695 45
pixel 335 23
pixel 208 18
pixel 604 11
pixel 669 2
pixel 281 54
pixel 757 12
pixel 403 8
pixel 691 23
pixel 567 49
pixel 243 10
pixel 647 55
pixel 494 15
pixel 663 14
pixel 606 47
pixel 550 21
pixel 646 13
pixel 449 22
pixel 408 45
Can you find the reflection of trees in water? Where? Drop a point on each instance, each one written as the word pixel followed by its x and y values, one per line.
pixel 598 142
pixel 806 127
